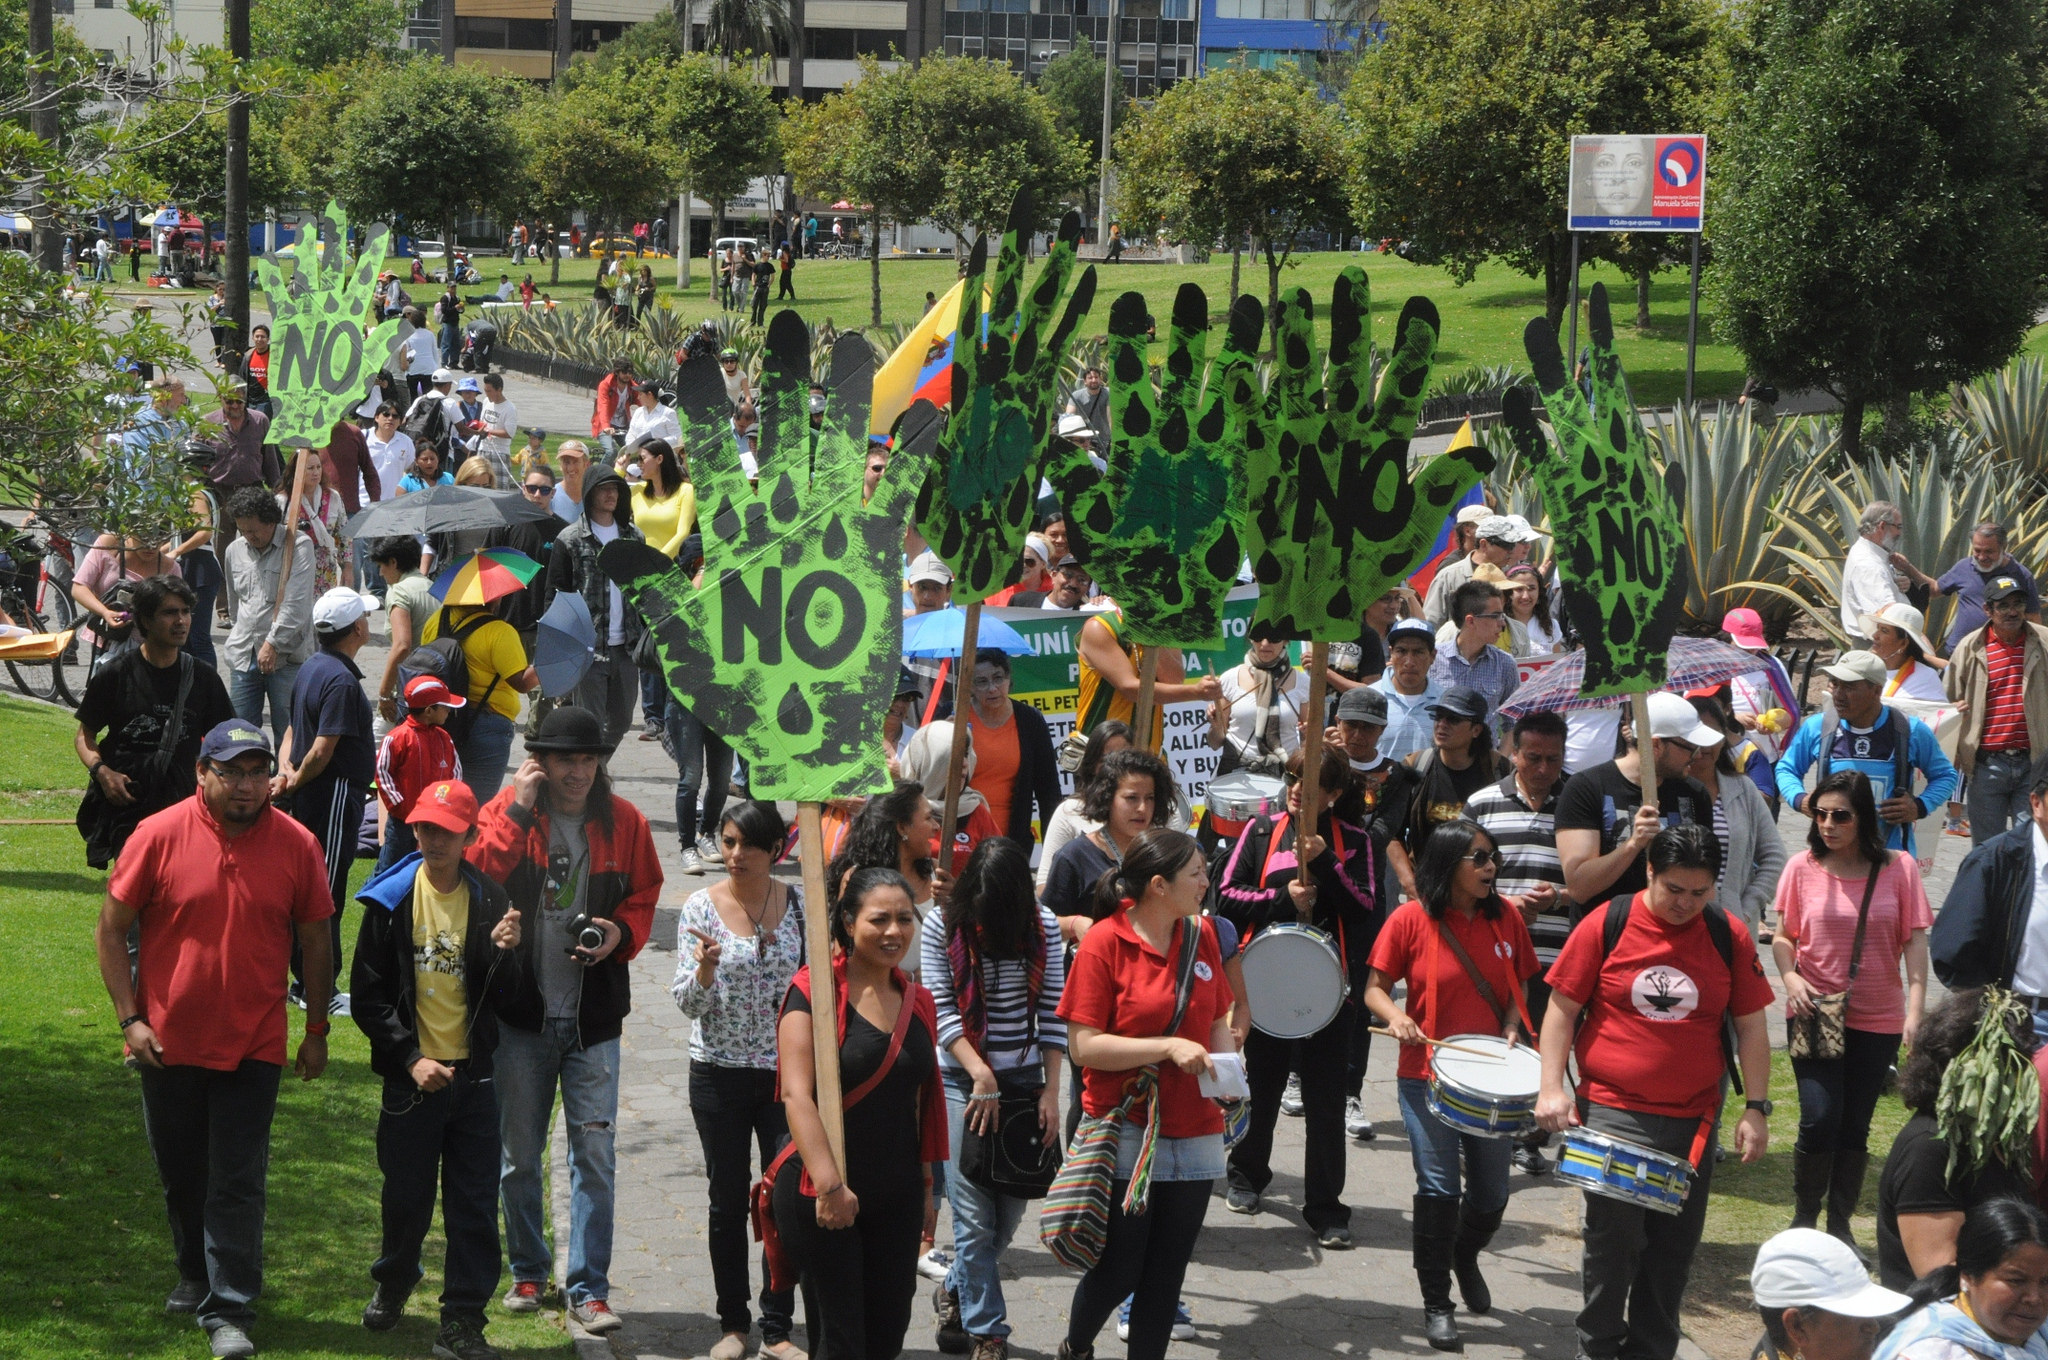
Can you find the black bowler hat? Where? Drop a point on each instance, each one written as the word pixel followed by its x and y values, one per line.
pixel 569 731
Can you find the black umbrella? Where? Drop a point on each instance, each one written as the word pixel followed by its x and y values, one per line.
pixel 442 510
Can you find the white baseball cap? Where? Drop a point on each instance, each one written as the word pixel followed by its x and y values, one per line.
pixel 444 375
pixel 338 609
pixel 1506 529
pixel 1676 719
pixel 1806 1268
pixel 927 566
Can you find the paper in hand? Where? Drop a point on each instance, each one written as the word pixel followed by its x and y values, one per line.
pixel 1229 1082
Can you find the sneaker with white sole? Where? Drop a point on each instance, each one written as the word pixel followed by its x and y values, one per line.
pixel 596 1317
pixel 689 862
pixel 338 1005
pixel 229 1342
pixel 934 1264
pixel 1290 1099
pixel 707 848
pixel 1355 1122
pixel 1183 1321
pixel 524 1296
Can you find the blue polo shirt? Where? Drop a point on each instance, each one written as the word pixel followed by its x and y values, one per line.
pixel 1966 583
pixel 328 701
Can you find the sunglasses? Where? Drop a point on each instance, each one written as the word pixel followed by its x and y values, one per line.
pixel 537 488
pixel 1834 816
pixel 1479 859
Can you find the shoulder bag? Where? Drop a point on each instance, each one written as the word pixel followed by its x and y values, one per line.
pixel 1822 1031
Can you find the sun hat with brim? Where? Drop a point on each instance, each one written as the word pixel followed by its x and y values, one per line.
pixel 570 732
pixel 1806 1268
pixel 1903 617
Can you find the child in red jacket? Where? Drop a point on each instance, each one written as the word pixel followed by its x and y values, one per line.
pixel 416 754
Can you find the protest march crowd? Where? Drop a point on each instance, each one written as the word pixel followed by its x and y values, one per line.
pixel 1060 972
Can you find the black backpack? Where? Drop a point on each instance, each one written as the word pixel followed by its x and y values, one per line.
pixel 426 423
pixel 1723 937
pixel 444 659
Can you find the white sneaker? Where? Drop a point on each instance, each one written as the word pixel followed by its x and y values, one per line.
pixel 1355 1122
pixel 707 847
pixel 1290 1099
pixel 338 1005
pixel 934 1264
pixel 689 863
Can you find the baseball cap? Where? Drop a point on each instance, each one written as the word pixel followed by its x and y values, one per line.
pixel 1472 514
pixel 443 375
pixel 1806 1268
pixel 1068 560
pixel 1465 702
pixel 338 610
pixel 1858 665
pixel 449 805
pixel 1411 628
pixel 1746 626
pixel 1673 718
pixel 1504 529
pixel 927 567
pixel 2002 586
pixel 424 691
pixel 1363 704
pixel 233 738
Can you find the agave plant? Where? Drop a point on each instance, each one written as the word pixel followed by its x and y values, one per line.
pixel 2008 411
pixel 1473 379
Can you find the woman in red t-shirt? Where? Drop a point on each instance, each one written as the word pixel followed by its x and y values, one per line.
pixel 1118 1004
pixel 1820 897
pixel 1419 945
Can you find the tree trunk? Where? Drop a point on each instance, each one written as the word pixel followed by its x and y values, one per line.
pixel 875 264
pixel 1273 262
pixel 554 255
pixel 1852 429
pixel 1557 280
pixel 43 123
pixel 235 213
pixel 1236 264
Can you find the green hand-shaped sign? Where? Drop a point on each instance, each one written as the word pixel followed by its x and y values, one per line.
pixel 1334 521
pixel 325 342
pixel 976 503
pixel 790 651
pixel 1162 527
pixel 1620 538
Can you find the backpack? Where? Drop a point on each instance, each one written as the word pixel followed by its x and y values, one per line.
pixel 444 659
pixel 426 423
pixel 1902 748
pixel 1723 937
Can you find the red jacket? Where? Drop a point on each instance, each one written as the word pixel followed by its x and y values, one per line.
pixel 413 757
pixel 347 456
pixel 610 392
pixel 625 883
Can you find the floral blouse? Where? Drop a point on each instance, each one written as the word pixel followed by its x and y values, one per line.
pixel 737 1014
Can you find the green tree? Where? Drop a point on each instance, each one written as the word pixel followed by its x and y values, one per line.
pixel 430 141
pixel 307 122
pixel 1462 119
pixel 578 153
pixel 1072 84
pixel 1239 153
pixel 716 125
pixel 993 136
pixel 1873 235
pixel 316 34
pixel 187 154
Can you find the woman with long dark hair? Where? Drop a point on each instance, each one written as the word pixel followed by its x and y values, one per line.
pixel 996 971
pixel 896 830
pixel 853 1232
pixel 1992 1302
pixel 1119 1006
pixel 664 501
pixel 1068 820
pixel 738 943
pixel 1850 912
pixel 1131 791
pixel 1465 958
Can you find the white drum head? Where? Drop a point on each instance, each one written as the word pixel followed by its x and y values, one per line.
pixel 1293 980
pixel 1509 1071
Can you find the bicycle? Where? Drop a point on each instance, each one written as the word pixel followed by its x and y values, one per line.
pixel 36 595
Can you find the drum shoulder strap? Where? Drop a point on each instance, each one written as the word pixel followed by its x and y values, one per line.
pixel 1486 991
pixel 1719 931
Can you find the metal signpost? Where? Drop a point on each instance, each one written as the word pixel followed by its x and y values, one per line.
pixel 1655 183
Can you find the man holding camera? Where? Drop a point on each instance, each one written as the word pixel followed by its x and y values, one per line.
pixel 579 865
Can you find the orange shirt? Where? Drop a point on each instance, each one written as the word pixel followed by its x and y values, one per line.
pixel 995 766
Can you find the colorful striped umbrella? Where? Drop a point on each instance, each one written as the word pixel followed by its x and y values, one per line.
pixel 485 576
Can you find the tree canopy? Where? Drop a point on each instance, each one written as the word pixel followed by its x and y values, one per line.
pixel 316 34
pixel 430 141
pixel 1072 83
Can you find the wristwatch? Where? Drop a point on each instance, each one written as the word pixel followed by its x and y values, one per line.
pixel 318 1028
pixel 1765 1108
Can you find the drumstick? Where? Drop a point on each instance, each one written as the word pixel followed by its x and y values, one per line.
pixel 1445 1043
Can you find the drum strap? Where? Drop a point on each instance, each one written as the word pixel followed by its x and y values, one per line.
pixel 1486 991
pixel 1337 844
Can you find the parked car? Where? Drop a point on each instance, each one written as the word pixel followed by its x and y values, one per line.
pixel 725 243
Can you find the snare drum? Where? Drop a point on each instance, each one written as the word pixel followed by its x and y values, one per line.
pixel 1601 1164
pixel 1294 980
pixel 1237 797
pixel 1490 1094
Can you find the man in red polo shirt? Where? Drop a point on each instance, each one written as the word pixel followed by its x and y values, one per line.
pixel 1650 1066
pixel 222 883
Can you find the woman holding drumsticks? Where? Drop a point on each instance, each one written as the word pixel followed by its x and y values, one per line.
pixel 1464 957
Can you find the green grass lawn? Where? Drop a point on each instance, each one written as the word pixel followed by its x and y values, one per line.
pixel 83 1239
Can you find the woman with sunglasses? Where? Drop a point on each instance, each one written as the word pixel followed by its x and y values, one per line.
pixel 1850 912
pixel 1464 956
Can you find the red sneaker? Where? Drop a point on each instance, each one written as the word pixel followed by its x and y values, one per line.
pixel 523 1297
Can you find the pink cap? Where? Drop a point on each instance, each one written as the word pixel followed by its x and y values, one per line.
pixel 1746 626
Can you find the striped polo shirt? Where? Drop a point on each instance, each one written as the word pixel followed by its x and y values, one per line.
pixel 1527 838
pixel 2005 709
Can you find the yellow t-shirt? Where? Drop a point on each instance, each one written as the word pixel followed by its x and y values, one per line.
pixel 1098 702
pixel 493 650
pixel 665 523
pixel 440 924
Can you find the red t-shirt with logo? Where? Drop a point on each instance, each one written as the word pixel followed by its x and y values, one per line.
pixel 1123 986
pixel 1410 947
pixel 218 916
pixel 1651 1037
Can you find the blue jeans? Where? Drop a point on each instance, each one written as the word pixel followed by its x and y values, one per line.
pixel 451 346
pixel 486 753
pixel 653 696
pixel 529 1067
pixel 202 573
pixel 1435 1145
pixel 249 688
pixel 399 841
pixel 983 1224
pixel 701 756
pixel 1996 795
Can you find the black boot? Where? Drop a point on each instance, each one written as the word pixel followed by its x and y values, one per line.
pixel 1845 1188
pixel 1475 1230
pixel 1810 1173
pixel 1436 1229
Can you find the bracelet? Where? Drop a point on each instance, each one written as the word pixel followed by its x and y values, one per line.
pixel 823 1194
pixel 92 771
pixel 979 1099
pixel 133 1020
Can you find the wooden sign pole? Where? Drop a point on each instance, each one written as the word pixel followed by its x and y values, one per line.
pixel 963 697
pixel 810 849
pixel 1646 763
pixel 1141 712
pixel 300 467
pixel 1312 752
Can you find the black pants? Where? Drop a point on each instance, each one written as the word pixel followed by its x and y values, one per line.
pixel 735 1107
pixel 1144 1259
pixel 210 1135
pixel 788 289
pixel 451 1134
pixel 1321 1059
pixel 1837 1096
pixel 332 810
pixel 760 303
pixel 1361 1047
pixel 858 1281
pixel 1636 1260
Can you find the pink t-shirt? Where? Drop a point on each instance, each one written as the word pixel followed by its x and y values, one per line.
pixel 99 571
pixel 1817 911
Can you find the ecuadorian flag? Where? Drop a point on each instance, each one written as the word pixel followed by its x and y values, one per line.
pixel 921 368
pixel 1446 535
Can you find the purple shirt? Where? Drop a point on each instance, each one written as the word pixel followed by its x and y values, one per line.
pixel 1967 582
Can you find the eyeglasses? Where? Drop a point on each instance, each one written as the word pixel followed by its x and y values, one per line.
pixel 537 488
pixel 1684 746
pixel 234 402
pixel 991 681
pixel 230 774
pixel 1479 859
pixel 1490 618
pixel 1832 816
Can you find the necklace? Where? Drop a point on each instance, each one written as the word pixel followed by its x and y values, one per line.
pixel 754 918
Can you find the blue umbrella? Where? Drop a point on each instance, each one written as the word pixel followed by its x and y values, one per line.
pixel 564 643
pixel 941 632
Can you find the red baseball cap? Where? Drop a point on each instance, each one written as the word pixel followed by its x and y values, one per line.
pixel 424 691
pixel 449 805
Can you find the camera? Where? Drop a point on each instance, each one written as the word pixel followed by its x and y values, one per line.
pixel 586 935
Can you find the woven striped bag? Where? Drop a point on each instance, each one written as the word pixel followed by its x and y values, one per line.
pixel 1074 1223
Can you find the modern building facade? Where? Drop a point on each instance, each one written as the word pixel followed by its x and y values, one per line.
pixel 1275 33
pixel 1155 39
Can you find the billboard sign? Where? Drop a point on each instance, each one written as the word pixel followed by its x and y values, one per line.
pixel 1637 183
